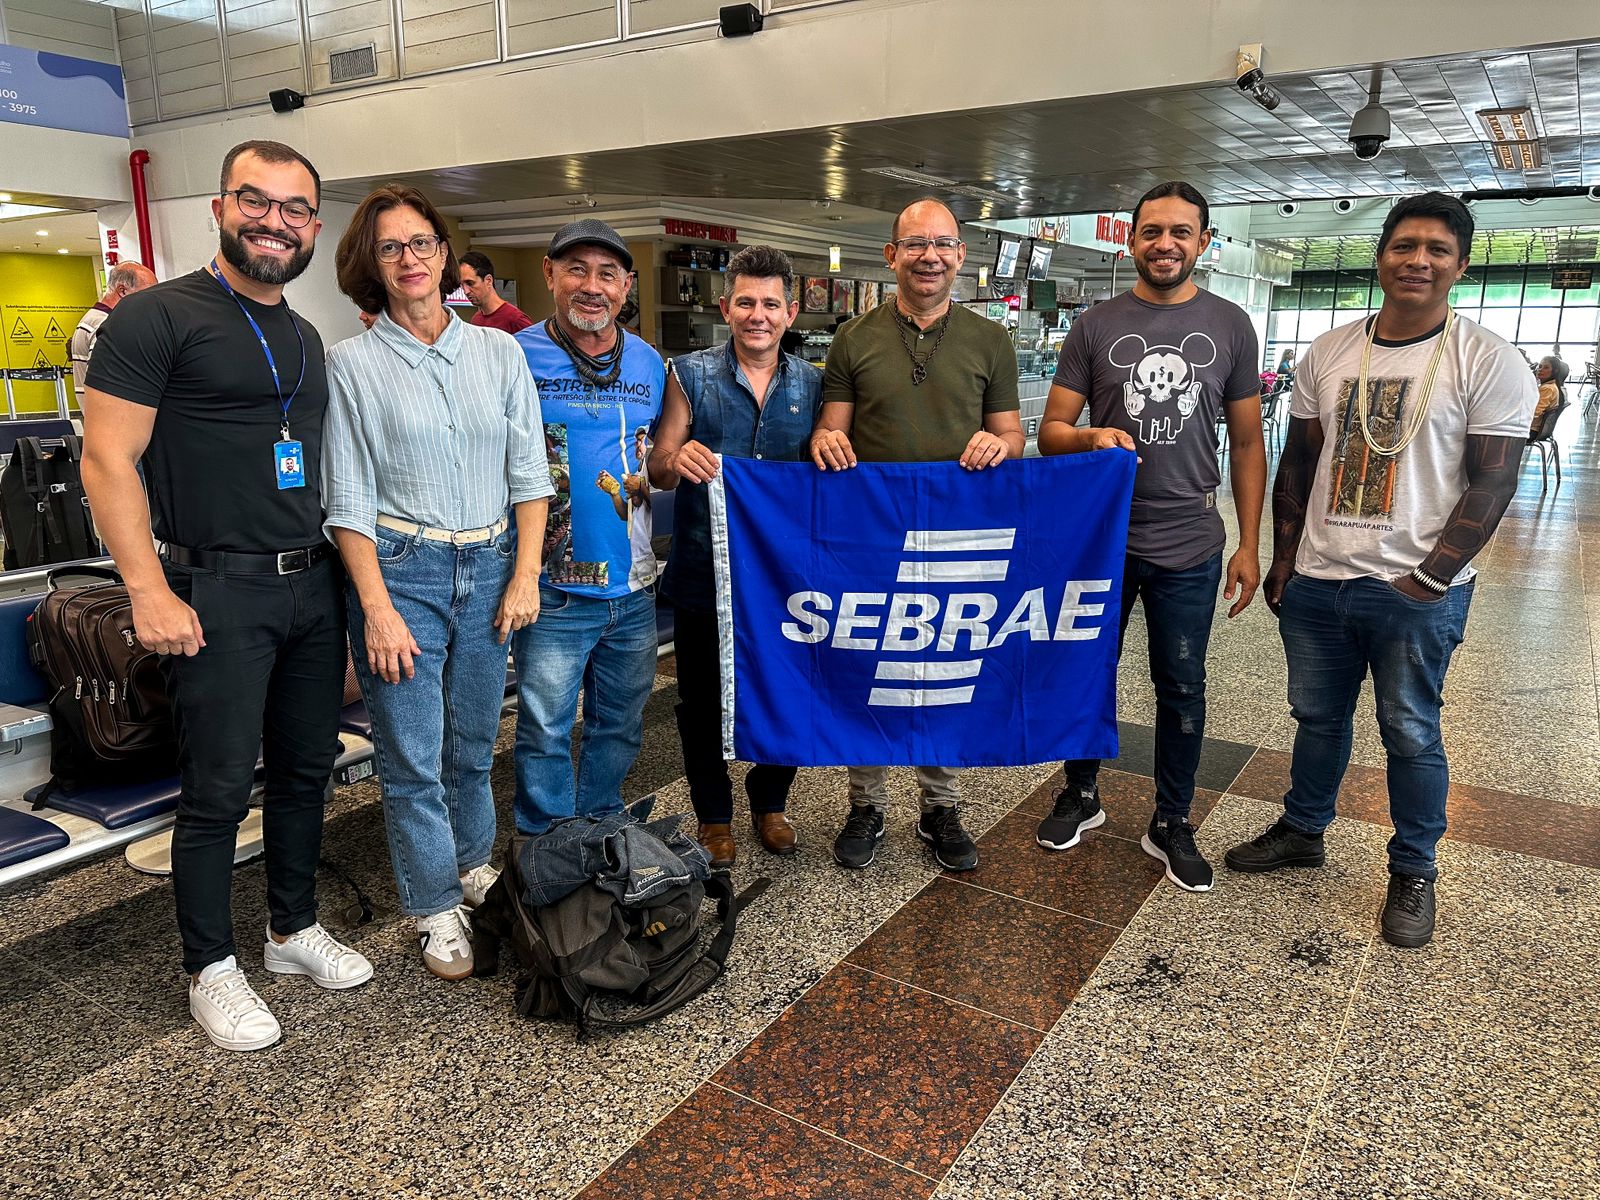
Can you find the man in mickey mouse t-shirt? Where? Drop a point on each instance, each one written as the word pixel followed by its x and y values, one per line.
pixel 1158 367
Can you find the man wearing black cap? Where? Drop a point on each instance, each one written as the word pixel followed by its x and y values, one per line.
pixel 596 629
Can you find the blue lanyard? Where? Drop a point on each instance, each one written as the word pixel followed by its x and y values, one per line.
pixel 272 365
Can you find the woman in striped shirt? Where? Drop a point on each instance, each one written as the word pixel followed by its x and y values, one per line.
pixel 433 432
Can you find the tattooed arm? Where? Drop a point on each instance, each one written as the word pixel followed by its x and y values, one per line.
pixel 1492 465
pixel 1291 494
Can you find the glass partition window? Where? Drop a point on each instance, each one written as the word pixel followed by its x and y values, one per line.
pixel 1516 302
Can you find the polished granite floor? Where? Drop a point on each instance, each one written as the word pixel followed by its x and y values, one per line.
pixel 1047 1025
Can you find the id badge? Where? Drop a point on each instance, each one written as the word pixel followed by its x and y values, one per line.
pixel 291 466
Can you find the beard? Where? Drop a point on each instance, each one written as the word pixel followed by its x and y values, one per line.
pixel 588 324
pixel 264 270
pixel 1176 282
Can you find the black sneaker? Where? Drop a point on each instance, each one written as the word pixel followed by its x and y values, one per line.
pixel 1280 846
pixel 952 845
pixel 1408 912
pixel 1173 843
pixel 857 843
pixel 1076 809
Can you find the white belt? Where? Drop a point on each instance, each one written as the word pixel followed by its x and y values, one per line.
pixel 456 537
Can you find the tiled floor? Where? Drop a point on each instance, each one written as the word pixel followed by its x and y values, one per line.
pixel 1047 1025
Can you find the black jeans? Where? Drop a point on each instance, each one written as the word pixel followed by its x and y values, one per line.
pixel 699 712
pixel 1178 610
pixel 268 681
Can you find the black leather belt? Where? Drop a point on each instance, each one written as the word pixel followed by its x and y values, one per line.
pixel 238 562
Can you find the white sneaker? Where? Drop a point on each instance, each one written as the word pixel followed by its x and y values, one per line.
pixel 475 884
pixel 446 943
pixel 229 1010
pixel 313 952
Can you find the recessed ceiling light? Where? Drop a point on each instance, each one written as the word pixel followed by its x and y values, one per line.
pixel 41 233
pixel 63 250
pixel 5 197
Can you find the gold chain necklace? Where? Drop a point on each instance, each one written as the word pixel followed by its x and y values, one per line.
pixel 1419 411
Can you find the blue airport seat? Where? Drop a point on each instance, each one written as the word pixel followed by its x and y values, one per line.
pixel 10 431
pixel 114 805
pixel 19 682
pixel 24 836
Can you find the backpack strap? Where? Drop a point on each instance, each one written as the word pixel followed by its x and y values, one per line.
pixel 706 970
pixel 30 458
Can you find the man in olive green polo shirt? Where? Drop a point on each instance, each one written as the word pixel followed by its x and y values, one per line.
pixel 917 379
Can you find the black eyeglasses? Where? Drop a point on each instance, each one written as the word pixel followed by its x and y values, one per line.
pixel 296 214
pixel 424 245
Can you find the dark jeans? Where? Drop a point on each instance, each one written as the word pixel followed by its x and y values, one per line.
pixel 699 710
pixel 267 682
pixel 1178 608
pixel 1334 631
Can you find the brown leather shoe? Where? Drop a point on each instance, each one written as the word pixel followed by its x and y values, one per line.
pixel 718 841
pixel 775 832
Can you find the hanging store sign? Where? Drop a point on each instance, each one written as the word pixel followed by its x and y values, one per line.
pixel 1564 279
pixel 53 91
pixel 697 229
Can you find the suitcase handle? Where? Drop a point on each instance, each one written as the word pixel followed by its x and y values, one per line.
pixel 104 574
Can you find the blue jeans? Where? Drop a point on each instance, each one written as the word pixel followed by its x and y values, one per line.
pixel 608 648
pixel 1178 609
pixel 434 733
pixel 1334 631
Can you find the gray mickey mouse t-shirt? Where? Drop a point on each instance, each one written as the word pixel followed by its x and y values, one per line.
pixel 1162 372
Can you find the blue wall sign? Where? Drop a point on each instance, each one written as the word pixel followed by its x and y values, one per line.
pixel 54 91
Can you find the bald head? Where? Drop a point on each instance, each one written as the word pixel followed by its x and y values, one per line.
pixel 926 211
pixel 124 279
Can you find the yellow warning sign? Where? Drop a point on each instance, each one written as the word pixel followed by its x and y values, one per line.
pixel 39 360
pixel 19 331
pixel 34 336
pixel 53 333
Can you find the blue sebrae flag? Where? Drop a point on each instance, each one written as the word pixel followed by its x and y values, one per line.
pixel 919 613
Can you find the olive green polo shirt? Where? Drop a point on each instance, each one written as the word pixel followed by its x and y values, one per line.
pixel 974 373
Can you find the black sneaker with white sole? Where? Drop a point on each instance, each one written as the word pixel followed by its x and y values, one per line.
pixel 952 845
pixel 1173 843
pixel 1076 809
pixel 857 843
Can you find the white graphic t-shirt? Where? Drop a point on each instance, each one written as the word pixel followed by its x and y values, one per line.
pixel 1379 516
pixel 1162 372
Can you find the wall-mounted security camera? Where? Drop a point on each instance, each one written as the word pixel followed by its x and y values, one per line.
pixel 1344 206
pixel 1288 208
pixel 1252 80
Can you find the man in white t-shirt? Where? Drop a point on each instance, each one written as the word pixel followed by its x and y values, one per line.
pixel 1403 452
pixel 123 280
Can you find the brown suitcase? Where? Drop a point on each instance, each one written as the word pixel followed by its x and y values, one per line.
pixel 111 716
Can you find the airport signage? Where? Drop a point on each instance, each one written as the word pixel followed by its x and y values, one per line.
pixel 53 91
pixel 1579 279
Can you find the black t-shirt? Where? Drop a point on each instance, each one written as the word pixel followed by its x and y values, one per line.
pixel 184 348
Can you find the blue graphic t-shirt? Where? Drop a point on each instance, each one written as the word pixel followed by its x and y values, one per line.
pixel 597 540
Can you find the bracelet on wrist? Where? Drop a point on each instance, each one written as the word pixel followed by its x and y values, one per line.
pixel 1437 586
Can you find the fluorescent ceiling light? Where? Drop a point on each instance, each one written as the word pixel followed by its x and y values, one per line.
pixel 1508 124
pixel 1519 156
pixel 906 175
pixel 41 233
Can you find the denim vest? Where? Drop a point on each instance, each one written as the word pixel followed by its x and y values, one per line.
pixel 724 418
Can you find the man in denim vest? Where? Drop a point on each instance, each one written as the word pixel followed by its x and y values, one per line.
pixel 747 399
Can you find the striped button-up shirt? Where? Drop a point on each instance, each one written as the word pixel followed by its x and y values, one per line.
pixel 446 435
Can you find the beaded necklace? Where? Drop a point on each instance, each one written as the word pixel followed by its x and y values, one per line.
pixel 599 371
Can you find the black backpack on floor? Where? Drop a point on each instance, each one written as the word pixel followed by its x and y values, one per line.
pixel 597 962
pixel 42 505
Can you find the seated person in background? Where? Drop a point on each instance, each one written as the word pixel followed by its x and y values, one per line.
pixel 1552 374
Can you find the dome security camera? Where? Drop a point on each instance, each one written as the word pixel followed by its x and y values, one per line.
pixel 1594 193
pixel 1369 130
pixel 1288 208
pixel 1344 206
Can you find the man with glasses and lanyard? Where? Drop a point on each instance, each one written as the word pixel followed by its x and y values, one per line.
pixel 219 389
pixel 918 379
